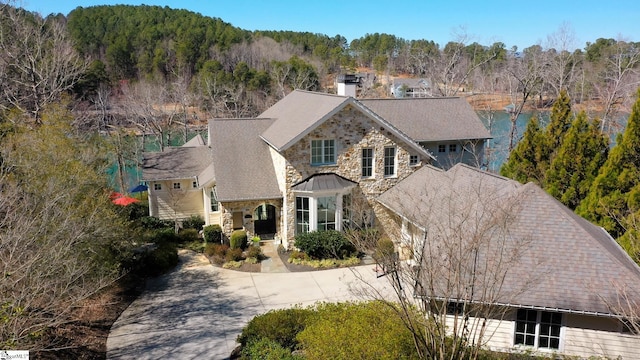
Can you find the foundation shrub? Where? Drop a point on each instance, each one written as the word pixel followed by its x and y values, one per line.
pixel 238 239
pixel 325 244
pixel 212 234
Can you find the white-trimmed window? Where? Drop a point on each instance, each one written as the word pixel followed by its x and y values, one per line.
pixel 323 152
pixel 157 186
pixel 303 215
pixel 389 161
pixel 367 162
pixel 414 160
pixel 176 186
pixel 326 213
pixel 538 329
pixel 215 205
pixel 319 212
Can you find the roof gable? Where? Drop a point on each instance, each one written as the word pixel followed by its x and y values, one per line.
pixel 301 112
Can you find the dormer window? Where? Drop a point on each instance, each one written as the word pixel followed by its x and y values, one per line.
pixel 323 152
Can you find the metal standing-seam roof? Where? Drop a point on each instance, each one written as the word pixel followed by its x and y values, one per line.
pixel 183 162
pixel 431 119
pixel 568 263
pixel 248 168
pixel 322 182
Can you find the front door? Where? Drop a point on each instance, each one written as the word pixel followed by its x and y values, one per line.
pixel 265 219
pixel 237 220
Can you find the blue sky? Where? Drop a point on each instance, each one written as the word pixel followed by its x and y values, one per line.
pixel 519 23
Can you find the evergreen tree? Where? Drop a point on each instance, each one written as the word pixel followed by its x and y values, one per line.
pixel 614 198
pixel 523 163
pixel 576 164
pixel 559 123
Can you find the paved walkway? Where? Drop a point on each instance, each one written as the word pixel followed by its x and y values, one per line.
pixel 273 263
pixel 198 310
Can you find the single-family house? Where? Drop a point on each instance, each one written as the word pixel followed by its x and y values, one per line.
pixel 410 88
pixel 300 165
pixel 561 283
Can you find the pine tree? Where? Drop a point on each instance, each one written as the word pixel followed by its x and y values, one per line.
pixel 614 197
pixel 559 123
pixel 524 159
pixel 576 164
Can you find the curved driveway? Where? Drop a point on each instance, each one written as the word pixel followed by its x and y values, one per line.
pixel 198 310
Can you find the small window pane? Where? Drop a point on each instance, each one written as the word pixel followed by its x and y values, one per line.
pixel 157 186
pixel 389 161
pixel 367 162
pixel 442 148
pixel 176 185
pixel 453 148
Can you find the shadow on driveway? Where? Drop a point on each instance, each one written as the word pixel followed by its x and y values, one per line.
pixel 197 310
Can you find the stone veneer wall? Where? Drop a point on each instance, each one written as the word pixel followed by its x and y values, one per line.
pixel 352 130
pixel 247 207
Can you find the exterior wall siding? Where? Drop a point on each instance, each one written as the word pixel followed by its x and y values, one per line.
pixel 468 152
pixel 587 336
pixel 582 336
pixel 352 131
pixel 171 204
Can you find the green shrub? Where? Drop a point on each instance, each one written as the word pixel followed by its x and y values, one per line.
pixel 152 223
pixel 384 250
pixel 325 244
pixel 267 349
pixel 162 259
pixel 280 326
pixel 232 264
pixel 255 252
pixel 160 236
pixel 193 222
pixel 238 239
pixel 372 330
pixel 188 235
pixel 216 250
pixel 234 254
pixel 299 255
pixel 212 234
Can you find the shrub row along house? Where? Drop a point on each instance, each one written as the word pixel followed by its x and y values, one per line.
pixel 316 161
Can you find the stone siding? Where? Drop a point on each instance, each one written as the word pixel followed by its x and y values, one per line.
pixel 247 208
pixel 352 131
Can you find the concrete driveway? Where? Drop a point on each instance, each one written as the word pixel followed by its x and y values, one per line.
pixel 198 310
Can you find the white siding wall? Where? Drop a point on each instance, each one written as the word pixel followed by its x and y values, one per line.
pixel 596 336
pixel 169 204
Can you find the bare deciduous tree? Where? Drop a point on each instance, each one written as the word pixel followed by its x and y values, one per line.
pixel 455 250
pixel 37 61
pixel 57 231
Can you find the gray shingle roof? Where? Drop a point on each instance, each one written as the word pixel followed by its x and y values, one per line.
pixel 175 163
pixel 302 111
pixel 565 262
pixel 431 119
pixel 244 168
pixel 297 114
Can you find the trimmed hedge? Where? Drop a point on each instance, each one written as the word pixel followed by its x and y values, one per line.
pixel 329 244
pixel 238 240
pixel 212 234
pixel 280 326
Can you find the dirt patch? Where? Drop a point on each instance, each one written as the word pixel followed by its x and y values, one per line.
pixel 86 337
